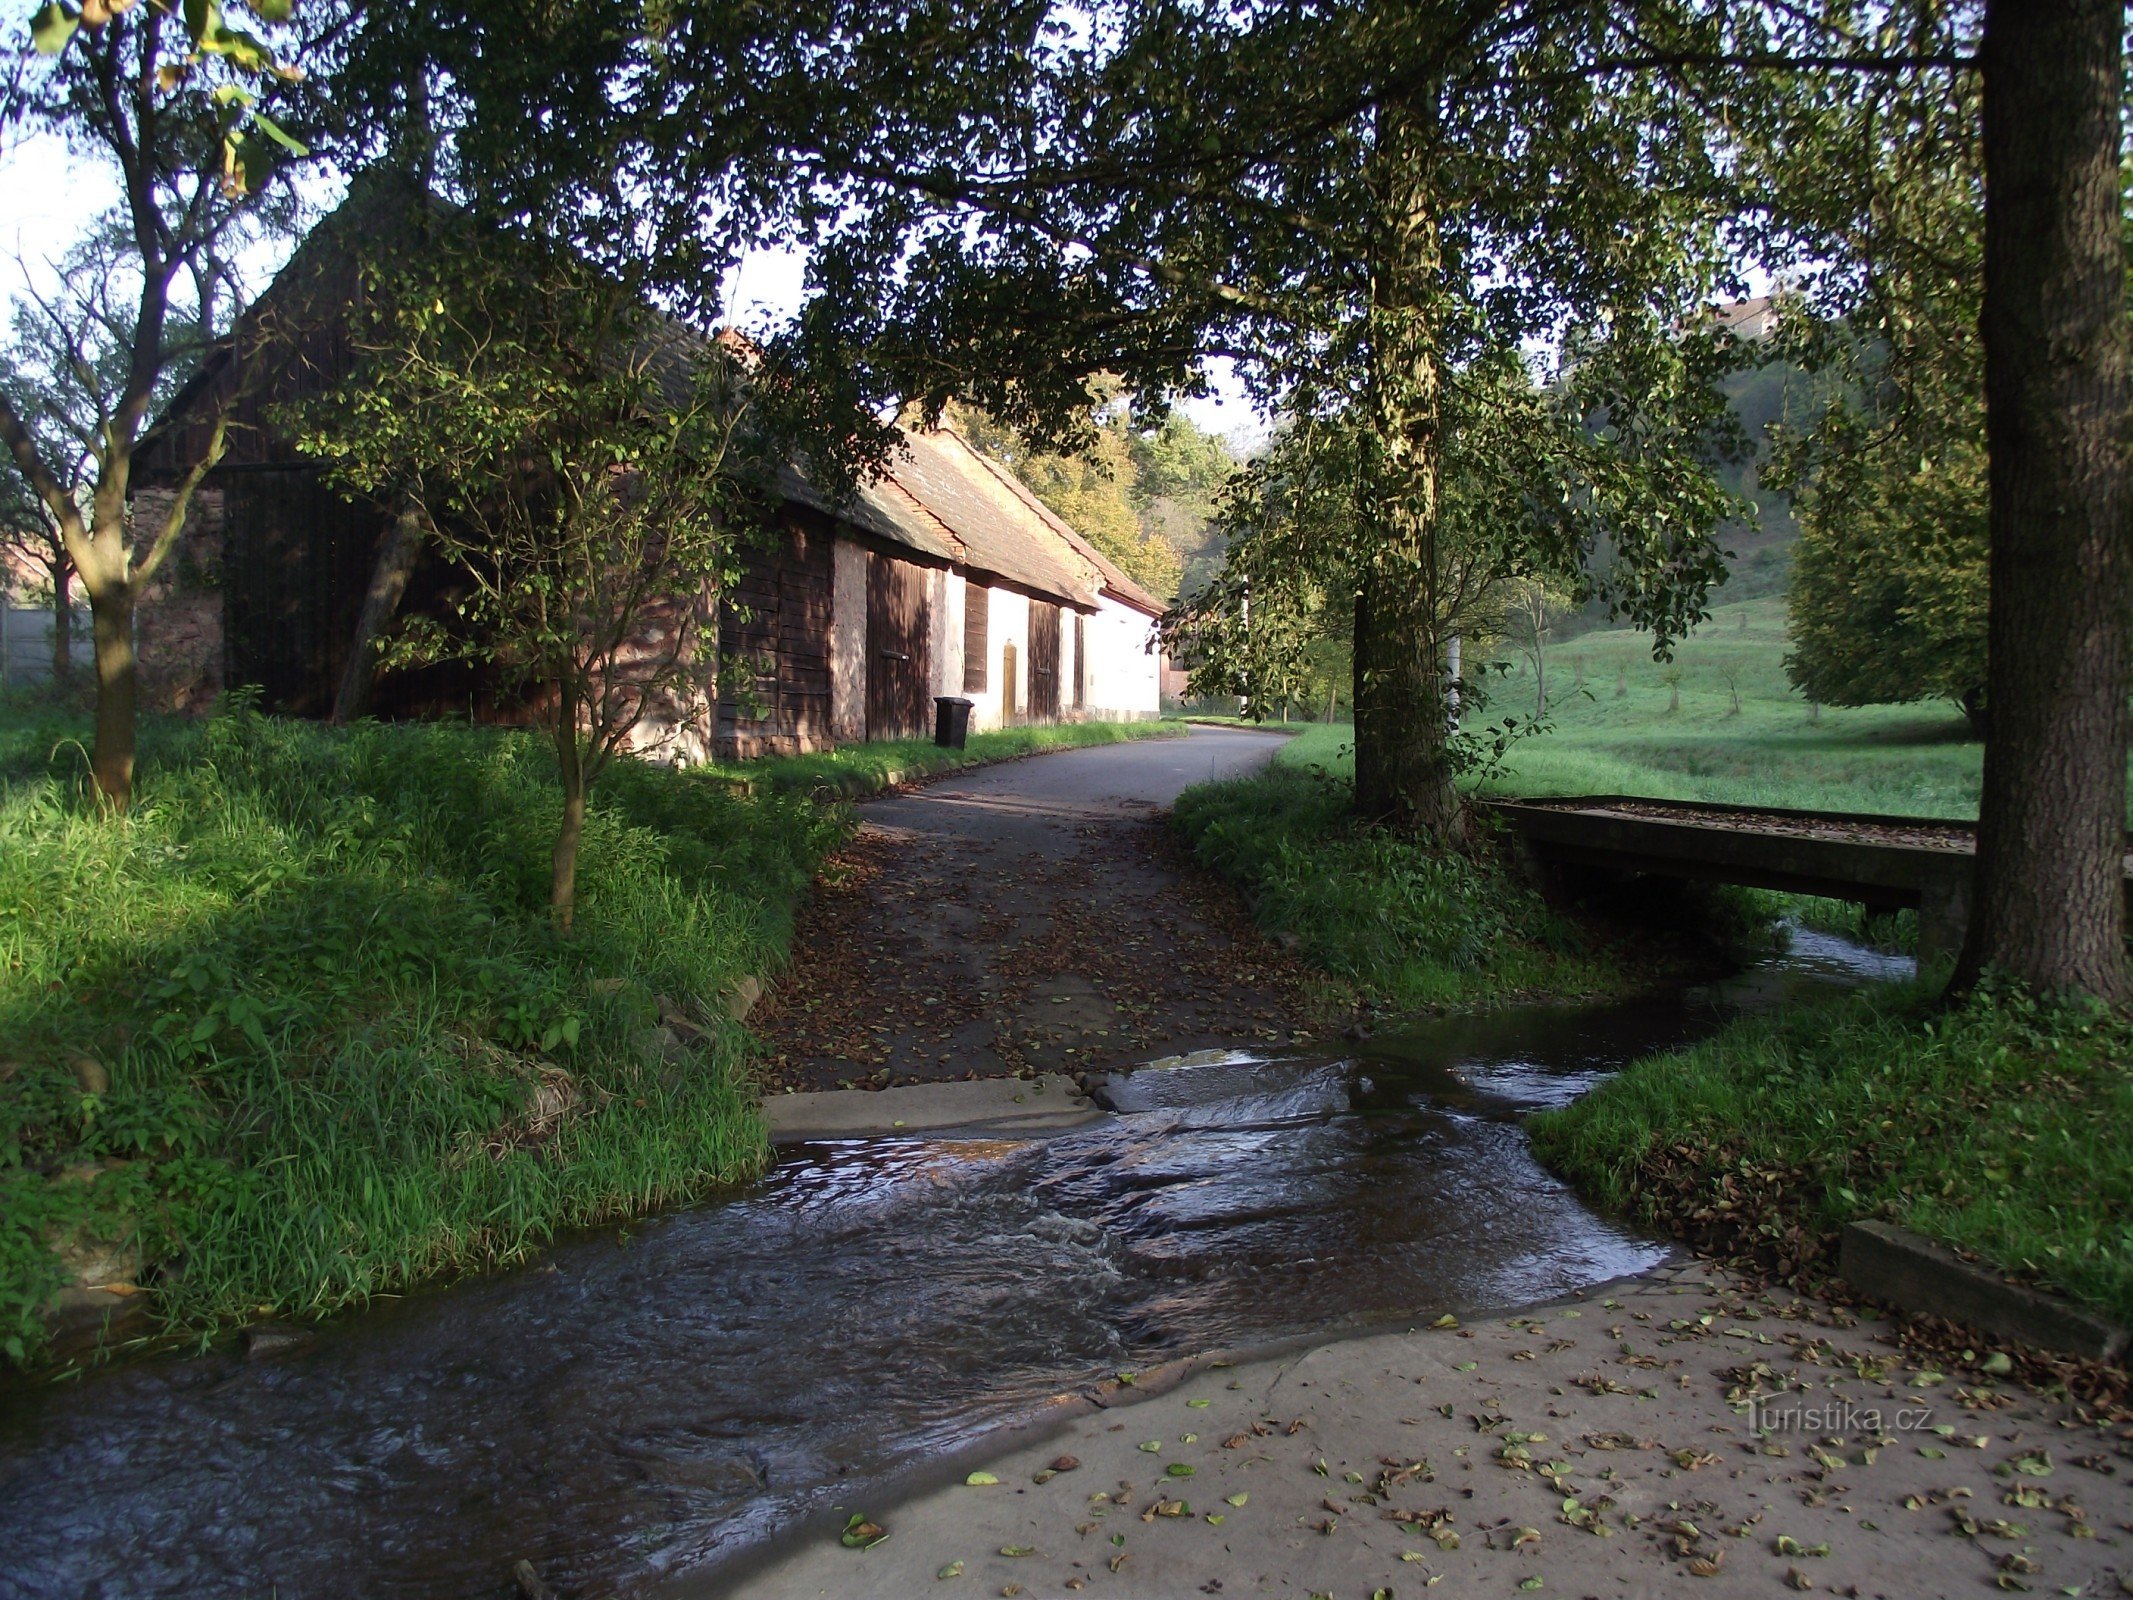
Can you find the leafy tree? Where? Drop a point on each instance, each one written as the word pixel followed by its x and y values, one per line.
pixel 1356 203
pixel 1095 488
pixel 1180 473
pixel 1981 155
pixel 1887 464
pixel 2050 909
pixel 182 107
pixel 581 462
pixel 1889 583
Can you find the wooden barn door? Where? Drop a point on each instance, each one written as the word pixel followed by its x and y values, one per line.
pixel 1043 661
pixel 896 648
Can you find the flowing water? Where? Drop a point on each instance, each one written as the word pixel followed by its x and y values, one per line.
pixel 643 1403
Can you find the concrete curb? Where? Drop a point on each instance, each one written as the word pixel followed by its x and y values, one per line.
pixel 1898 1268
pixel 1024 1107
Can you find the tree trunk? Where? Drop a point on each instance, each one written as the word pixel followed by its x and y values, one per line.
pixel 62 623
pixel 1403 758
pixel 117 696
pixel 388 582
pixel 570 770
pixel 2049 903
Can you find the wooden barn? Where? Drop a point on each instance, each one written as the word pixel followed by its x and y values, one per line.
pixel 944 576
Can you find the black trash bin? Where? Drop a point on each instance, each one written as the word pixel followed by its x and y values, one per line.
pixel 951 721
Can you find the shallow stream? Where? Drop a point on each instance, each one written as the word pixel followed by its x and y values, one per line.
pixel 643 1403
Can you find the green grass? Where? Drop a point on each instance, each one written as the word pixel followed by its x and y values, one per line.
pixel 1995 1127
pixel 297 1030
pixel 859 769
pixel 1917 760
pixel 1406 926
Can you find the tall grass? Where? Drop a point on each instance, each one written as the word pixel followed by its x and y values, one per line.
pixel 297 1030
pixel 1402 924
pixel 1997 1126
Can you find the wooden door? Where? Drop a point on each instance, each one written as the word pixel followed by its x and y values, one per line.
pixel 1043 661
pixel 896 649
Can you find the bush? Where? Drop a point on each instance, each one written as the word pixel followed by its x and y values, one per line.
pixel 297 1029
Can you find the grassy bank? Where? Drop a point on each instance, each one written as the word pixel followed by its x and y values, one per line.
pixel 1403 926
pixel 297 1030
pixel 861 769
pixel 1996 1127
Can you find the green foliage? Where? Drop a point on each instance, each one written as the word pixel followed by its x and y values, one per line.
pixel 344 1049
pixel 1889 586
pixel 577 459
pixel 1143 495
pixel 1398 920
pixel 1996 1127
pixel 1881 184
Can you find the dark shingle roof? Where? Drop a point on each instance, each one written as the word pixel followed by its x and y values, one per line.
pixel 1115 580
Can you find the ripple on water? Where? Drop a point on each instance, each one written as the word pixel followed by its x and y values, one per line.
pixel 629 1409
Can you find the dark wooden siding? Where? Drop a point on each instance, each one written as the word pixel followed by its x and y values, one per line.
pixel 295 560
pixel 777 621
pixel 1043 661
pixel 977 637
pixel 897 593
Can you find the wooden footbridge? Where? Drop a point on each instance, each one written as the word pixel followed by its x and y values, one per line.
pixel 1883 863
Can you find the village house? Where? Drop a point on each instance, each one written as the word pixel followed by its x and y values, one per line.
pixel 942 576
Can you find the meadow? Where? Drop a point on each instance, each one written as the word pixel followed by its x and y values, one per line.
pixel 1612 727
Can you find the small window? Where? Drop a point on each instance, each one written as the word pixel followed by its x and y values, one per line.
pixel 977 636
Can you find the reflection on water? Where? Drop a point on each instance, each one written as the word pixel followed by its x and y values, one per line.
pixel 635 1406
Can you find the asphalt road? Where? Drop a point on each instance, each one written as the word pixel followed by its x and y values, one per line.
pixel 1031 916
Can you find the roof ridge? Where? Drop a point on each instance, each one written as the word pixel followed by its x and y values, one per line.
pixel 1113 575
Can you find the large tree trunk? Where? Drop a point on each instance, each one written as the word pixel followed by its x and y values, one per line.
pixel 1403 761
pixel 117 695
pixel 2049 906
pixel 62 623
pixel 388 582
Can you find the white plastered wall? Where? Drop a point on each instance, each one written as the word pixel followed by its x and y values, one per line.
pixel 948 637
pixel 1125 681
pixel 1007 623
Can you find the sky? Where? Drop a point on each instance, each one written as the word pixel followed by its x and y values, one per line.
pixel 47 196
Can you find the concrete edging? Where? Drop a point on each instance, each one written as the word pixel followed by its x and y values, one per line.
pixel 1900 1269
pixel 1014 1107
pixel 1054 1416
